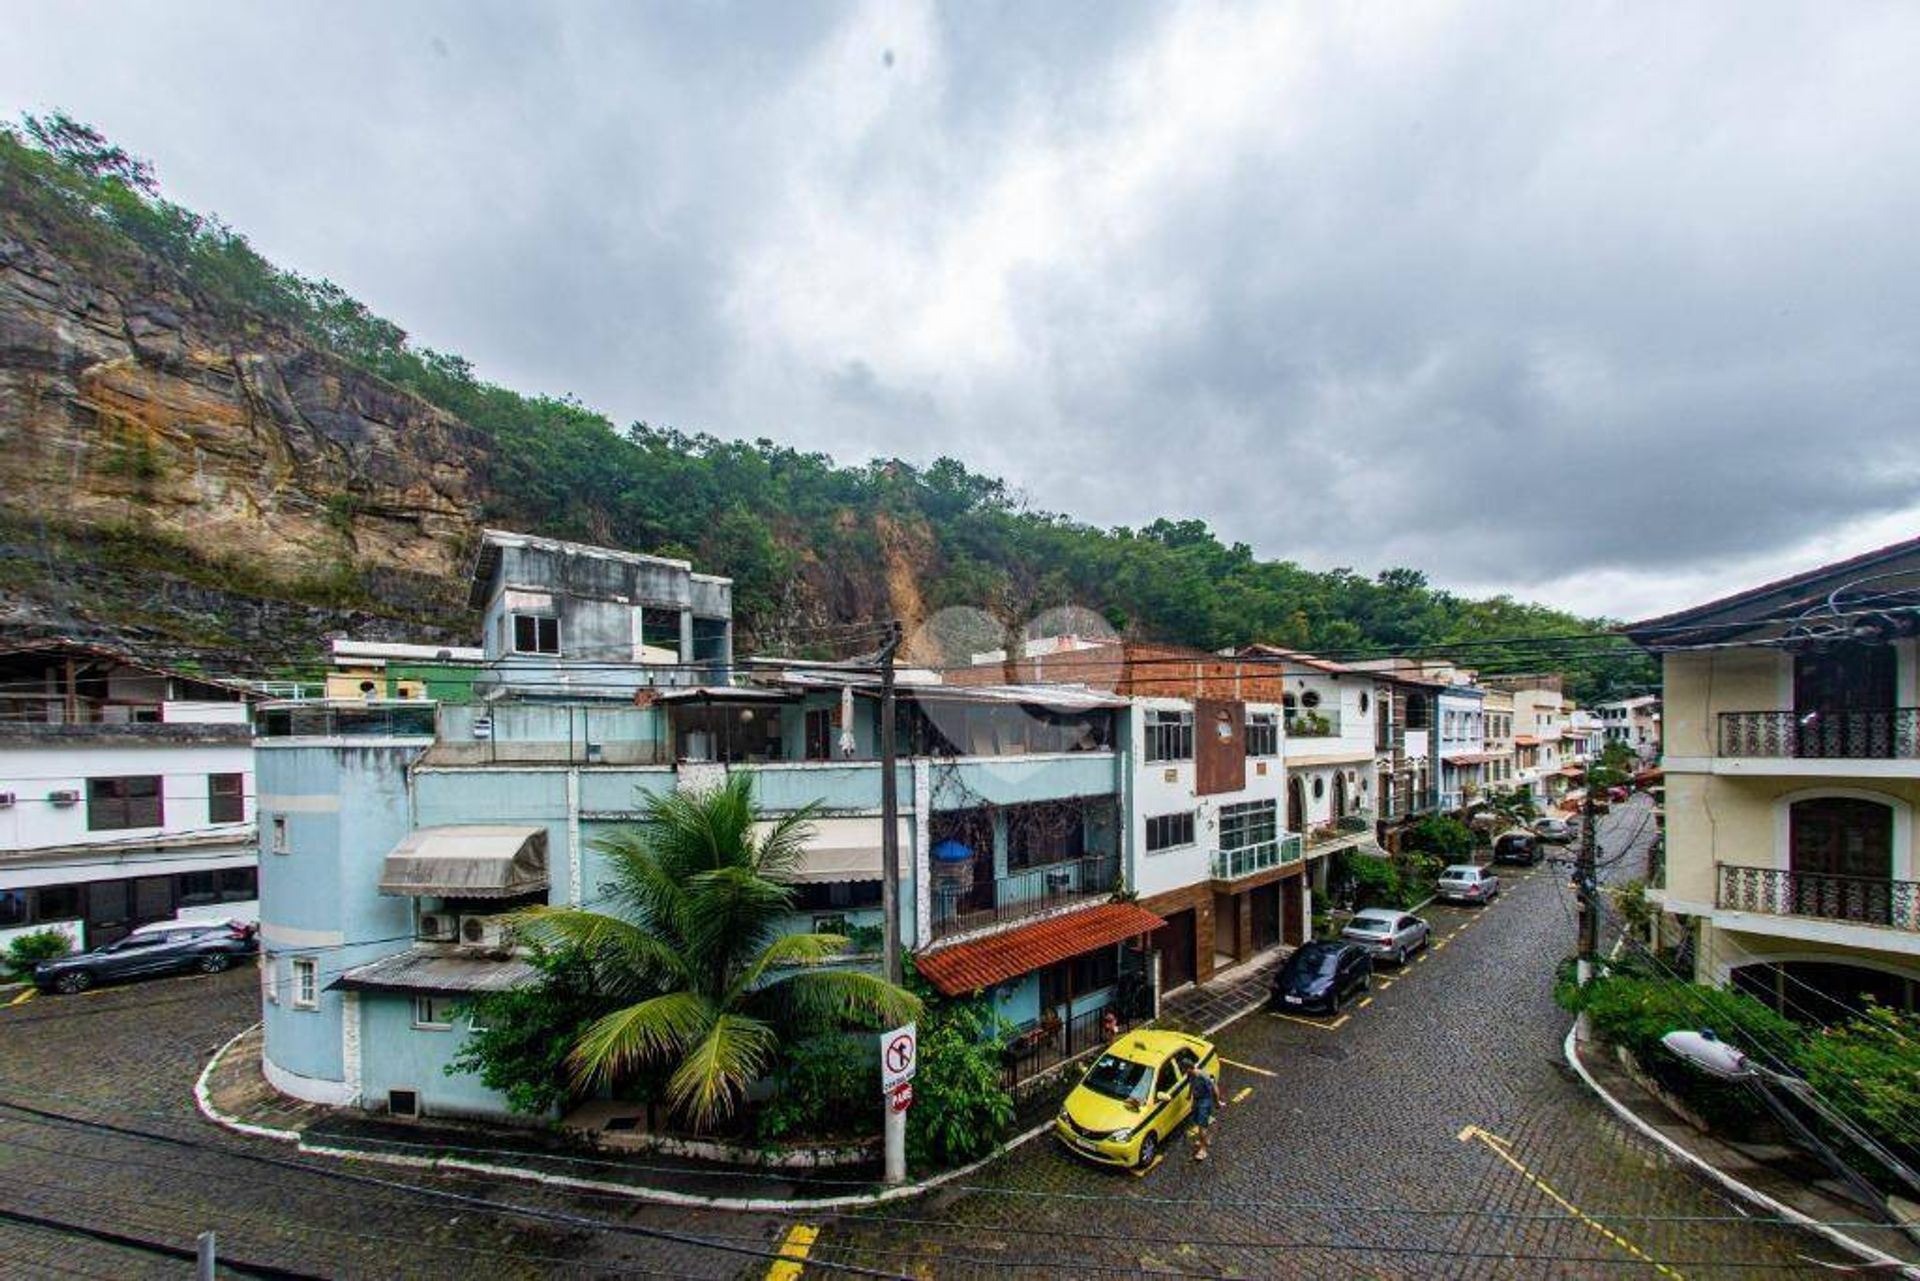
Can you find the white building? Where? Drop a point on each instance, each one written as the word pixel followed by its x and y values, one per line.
pixel 126 793
pixel 1635 722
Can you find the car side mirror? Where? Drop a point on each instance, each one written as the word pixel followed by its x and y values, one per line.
pixel 1162 1096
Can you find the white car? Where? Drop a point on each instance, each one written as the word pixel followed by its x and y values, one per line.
pixel 1386 934
pixel 1465 883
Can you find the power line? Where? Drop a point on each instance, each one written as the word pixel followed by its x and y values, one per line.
pixel 148 1246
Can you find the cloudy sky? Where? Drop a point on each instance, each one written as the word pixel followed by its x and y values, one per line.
pixel 1614 306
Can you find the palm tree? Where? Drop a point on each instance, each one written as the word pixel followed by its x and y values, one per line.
pixel 693 942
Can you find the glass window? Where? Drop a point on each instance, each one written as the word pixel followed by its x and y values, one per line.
pixel 1263 734
pixel 56 903
pixel 1118 1078
pixel 1167 831
pixel 238 884
pixel 197 888
pixel 1249 824
pixel 131 801
pixel 1169 735
pixel 533 634
pixel 306 983
pixel 434 1012
pixel 13 907
pixel 226 802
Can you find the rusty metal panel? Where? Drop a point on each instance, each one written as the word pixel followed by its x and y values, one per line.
pixel 1219 746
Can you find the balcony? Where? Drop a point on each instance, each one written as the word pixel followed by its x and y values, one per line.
pixel 1884 734
pixel 1318 723
pixel 1862 900
pixel 356 719
pixel 1231 865
pixel 960 907
pixel 1348 828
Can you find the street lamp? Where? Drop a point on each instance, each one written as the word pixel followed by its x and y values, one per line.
pixel 1718 1059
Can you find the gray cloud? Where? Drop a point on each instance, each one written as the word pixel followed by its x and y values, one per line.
pixel 1604 306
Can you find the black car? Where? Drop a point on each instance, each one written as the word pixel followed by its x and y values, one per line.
pixel 174 947
pixel 1320 975
pixel 1517 847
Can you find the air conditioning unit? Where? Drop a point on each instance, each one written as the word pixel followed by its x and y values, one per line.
pixel 65 796
pixel 483 727
pixel 6 800
pixel 484 931
pixel 439 927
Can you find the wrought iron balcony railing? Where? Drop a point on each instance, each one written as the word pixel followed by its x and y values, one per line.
pixel 1891 733
pixel 1231 865
pixel 1778 891
pixel 1344 828
pixel 961 906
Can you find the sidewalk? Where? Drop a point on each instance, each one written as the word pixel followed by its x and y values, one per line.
pixel 1225 997
pixel 1796 1183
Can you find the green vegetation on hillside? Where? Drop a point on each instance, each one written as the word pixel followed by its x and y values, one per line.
pixel 774 517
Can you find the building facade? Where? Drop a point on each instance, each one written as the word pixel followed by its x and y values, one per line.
pixel 1792 759
pixel 126 794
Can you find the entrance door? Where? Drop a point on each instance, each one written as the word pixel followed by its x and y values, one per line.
pixel 1842 858
pixel 1175 942
pixel 1296 805
pixel 109 912
pixel 1339 793
pixel 1843 700
pixel 1293 903
pixel 1266 916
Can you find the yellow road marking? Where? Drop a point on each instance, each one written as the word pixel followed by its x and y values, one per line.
pixel 1365 1001
pixel 1422 958
pixel 1498 1146
pixel 25 996
pixel 1246 1067
pixel 1442 943
pixel 1315 1023
pixel 1241 1097
pixel 1384 984
pixel 793 1252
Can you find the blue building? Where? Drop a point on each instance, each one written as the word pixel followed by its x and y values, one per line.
pixel 398 836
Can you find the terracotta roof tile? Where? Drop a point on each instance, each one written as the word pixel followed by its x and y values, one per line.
pixel 981 963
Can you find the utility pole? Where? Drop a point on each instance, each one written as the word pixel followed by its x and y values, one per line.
pixel 205 1260
pixel 1587 888
pixel 889 814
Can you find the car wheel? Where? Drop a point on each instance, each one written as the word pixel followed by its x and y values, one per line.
pixel 214 962
pixel 74 982
pixel 1149 1148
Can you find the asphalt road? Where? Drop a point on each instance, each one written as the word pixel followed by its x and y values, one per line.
pixel 1431 1131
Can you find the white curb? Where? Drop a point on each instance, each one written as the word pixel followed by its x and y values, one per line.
pixel 1725 1180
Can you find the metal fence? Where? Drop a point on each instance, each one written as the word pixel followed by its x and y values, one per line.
pixel 346 720
pixel 1877 734
pixel 1048 1044
pixel 960 907
pixel 1784 892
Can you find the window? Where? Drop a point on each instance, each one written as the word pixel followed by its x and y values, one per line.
pixel 56 903
pixel 533 634
pixel 269 990
pixel 820 734
pixel 1365 703
pixel 280 845
pixel 1263 734
pixel 13 908
pixel 199 888
pixel 659 629
pixel 132 801
pixel 821 896
pixel 239 884
pixel 403 1102
pixel 306 983
pixel 226 800
pixel 829 925
pixel 1169 735
pixel 1166 831
pixel 433 1012
pixel 1249 824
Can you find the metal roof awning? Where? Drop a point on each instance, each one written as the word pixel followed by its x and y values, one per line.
pixel 981 963
pixel 845 849
pixel 468 861
pixel 434 973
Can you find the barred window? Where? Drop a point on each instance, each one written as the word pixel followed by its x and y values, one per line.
pixel 1263 734
pixel 1169 735
pixel 1249 824
pixel 1168 831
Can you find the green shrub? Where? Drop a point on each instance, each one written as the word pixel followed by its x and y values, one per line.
pixel 961 1108
pixel 521 1045
pixel 27 950
pixel 1446 838
pixel 1376 883
pixel 1869 1068
pixel 824 1086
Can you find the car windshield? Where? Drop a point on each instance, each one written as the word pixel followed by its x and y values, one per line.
pixel 1117 1078
pixel 1372 925
pixel 1462 873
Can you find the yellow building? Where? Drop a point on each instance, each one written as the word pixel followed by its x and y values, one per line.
pixel 1791 727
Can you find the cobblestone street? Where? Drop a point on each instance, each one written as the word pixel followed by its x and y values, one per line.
pixel 1348 1159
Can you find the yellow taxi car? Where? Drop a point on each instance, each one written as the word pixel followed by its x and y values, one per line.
pixel 1134 1097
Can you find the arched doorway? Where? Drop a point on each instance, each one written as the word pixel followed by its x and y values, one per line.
pixel 1840 858
pixel 1296 804
pixel 1339 793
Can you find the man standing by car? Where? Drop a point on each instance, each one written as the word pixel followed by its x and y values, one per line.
pixel 1206 1100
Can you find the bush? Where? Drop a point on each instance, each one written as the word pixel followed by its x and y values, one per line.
pixel 824 1086
pixel 27 950
pixel 961 1108
pixel 1376 883
pixel 1869 1068
pixel 1448 839
pixel 524 1037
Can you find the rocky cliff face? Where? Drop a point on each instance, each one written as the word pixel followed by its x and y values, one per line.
pixel 135 415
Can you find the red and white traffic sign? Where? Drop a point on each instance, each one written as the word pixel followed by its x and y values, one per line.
pixel 899 1055
pixel 902 1097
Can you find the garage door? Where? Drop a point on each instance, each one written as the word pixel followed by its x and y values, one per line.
pixel 1174 941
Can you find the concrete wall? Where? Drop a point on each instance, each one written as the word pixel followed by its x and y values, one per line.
pixel 32 772
pixel 396 1055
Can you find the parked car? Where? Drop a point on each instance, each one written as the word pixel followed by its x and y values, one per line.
pixel 1517 847
pixel 1320 975
pixel 1386 934
pixel 1134 1096
pixel 1554 831
pixel 1465 883
pixel 166 947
